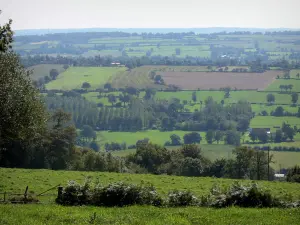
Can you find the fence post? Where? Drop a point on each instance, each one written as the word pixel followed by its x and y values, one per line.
pixel 4 197
pixel 25 194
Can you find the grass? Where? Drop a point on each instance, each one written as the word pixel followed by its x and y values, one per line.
pixel 74 77
pixel 275 85
pixel 15 180
pixel 271 121
pixel 131 138
pixel 136 215
pixel 42 70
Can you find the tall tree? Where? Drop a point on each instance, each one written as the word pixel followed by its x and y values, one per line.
pixel 294 98
pixel 22 114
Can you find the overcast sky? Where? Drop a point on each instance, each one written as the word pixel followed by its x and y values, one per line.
pixel 35 14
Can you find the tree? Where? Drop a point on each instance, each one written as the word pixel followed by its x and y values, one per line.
pixel 262 136
pixel 270 98
pixel 6 36
pixel 298 75
pixel 149 93
pixel 107 86
pixel 66 67
pixel 210 135
pixel 290 87
pixel 86 85
pixel 112 99
pixel 177 50
pixel 88 132
pixel 22 115
pixel 94 146
pixel 279 111
pixel 218 136
pixel 191 151
pixel 192 138
pixel 294 98
pixel 53 74
pixel 232 138
pixel 278 136
pixel 281 87
pixel 175 140
pixel 194 96
pixel 253 136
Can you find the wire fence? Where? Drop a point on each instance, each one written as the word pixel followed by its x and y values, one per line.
pixel 28 197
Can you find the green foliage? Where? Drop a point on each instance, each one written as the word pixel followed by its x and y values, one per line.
pixel 6 36
pixel 182 198
pixel 115 194
pixel 293 174
pixel 244 196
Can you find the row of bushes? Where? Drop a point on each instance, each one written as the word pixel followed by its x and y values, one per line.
pixel 276 148
pixel 121 194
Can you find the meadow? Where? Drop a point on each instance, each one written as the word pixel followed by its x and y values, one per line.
pixel 42 70
pixel 74 77
pixel 15 181
pixel 136 215
pixel 271 121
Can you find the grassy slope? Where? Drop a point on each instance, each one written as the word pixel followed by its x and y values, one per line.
pixel 15 180
pixel 74 77
pixel 136 215
pixel 42 70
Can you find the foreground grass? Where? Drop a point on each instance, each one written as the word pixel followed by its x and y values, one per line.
pixel 53 214
pixel 15 180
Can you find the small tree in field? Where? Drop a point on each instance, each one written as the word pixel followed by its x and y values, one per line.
pixel 270 98
pixel 86 85
pixel 294 98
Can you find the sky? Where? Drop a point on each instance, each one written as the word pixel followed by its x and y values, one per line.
pixel 63 14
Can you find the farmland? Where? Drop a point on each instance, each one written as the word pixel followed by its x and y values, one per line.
pixel 216 80
pixel 15 180
pixel 74 77
pixel 42 70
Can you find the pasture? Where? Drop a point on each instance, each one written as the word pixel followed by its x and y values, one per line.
pixel 42 70
pixel 74 77
pixel 15 180
pixel 155 136
pixel 271 121
pixel 275 86
pixel 216 80
pixel 135 215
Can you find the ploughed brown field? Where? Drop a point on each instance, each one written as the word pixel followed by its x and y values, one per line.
pixel 216 80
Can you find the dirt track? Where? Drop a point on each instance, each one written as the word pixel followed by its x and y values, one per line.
pixel 216 80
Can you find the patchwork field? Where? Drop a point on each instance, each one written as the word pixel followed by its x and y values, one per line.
pixel 216 80
pixel 74 77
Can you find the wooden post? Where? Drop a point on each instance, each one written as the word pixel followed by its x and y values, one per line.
pixel 4 197
pixel 25 194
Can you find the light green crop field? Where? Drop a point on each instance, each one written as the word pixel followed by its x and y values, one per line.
pixel 235 96
pixel 74 77
pixel 131 138
pixel 42 70
pixel 271 121
pixel 136 215
pixel 276 83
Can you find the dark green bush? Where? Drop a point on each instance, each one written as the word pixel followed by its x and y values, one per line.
pixel 244 196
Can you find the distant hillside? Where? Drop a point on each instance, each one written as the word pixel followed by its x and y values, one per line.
pixel 205 30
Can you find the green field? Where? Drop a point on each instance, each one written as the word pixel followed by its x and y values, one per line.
pixel 74 77
pixel 271 121
pixel 131 138
pixel 15 180
pixel 42 70
pixel 136 215
pixel 275 85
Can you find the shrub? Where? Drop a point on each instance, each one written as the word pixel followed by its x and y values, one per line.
pixel 181 198
pixel 243 196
